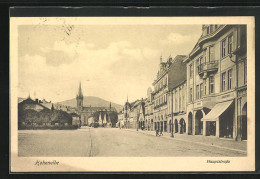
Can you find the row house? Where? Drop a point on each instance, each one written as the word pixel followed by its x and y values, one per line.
pixel 177 97
pixel 149 108
pixel 162 85
pixel 131 114
pixel 216 83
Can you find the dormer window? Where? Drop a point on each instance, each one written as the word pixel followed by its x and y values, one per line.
pixel 207 30
pixel 211 28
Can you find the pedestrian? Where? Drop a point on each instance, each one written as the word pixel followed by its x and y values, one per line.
pixel 161 134
pixel 157 132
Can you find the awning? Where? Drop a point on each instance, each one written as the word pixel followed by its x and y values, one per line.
pixel 216 111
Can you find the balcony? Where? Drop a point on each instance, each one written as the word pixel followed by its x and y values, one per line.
pixel 208 67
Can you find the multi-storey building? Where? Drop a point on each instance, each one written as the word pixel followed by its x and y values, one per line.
pixel 177 98
pixel 216 83
pixel 149 110
pixel 162 84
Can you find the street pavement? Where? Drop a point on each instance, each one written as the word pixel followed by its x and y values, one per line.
pixel 115 142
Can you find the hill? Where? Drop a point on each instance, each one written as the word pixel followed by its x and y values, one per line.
pixel 91 100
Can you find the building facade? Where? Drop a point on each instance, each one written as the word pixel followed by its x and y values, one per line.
pixel 86 113
pixel 167 78
pixel 216 83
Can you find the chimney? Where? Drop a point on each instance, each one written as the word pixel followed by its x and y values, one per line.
pixel 37 101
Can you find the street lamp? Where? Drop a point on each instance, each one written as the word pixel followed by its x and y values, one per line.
pixel 172 130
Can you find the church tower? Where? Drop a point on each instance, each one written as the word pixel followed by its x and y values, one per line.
pixel 79 97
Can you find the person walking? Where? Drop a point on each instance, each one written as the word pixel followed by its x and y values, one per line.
pixel 161 134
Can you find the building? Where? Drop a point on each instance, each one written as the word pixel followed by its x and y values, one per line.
pixel 31 114
pixel 216 83
pixel 87 112
pixel 149 123
pixel 177 98
pixel 120 122
pixel 132 115
pixel 162 85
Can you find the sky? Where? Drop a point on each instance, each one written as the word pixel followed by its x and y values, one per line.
pixel 111 61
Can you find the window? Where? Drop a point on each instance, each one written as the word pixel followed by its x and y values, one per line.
pixel 229 79
pixel 179 102
pixel 176 103
pixel 223 81
pixel 201 90
pixel 205 55
pixel 216 27
pixel 207 30
pixel 197 92
pixel 211 28
pixel 223 48
pixel 211 84
pixel 211 54
pixel 190 94
pixel 245 71
pixel 205 86
pixel 197 65
pixel 230 43
pixel 191 70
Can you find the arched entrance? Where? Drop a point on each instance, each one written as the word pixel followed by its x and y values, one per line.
pixel 244 122
pixel 176 126
pixel 190 123
pixel 182 126
pixel 198 123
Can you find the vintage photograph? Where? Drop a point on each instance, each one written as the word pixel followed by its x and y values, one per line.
pixel 115 88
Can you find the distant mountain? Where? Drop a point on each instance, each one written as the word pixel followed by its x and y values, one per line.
pixel 91 100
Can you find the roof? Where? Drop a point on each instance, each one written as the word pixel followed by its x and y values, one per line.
pixel 98 108
pixel 177 74
pixel 30 101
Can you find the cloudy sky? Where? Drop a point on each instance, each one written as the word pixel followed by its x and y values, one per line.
pixel 111 61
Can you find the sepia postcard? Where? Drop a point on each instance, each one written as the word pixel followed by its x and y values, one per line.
pixel 132 94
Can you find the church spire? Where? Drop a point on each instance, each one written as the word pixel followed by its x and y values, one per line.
pixel 79 97
pixel 80 90
pixel 110 106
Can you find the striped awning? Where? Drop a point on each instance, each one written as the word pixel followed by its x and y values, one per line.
pixel 217 110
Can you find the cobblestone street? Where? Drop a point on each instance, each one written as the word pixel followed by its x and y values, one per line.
pixel 114 142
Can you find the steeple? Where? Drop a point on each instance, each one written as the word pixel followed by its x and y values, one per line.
pixel 110 106
pixel 80 90
pixel 79 97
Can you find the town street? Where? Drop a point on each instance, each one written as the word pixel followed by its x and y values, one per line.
pixel 114 142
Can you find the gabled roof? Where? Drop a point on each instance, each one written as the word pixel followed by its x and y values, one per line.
pixel 178 72
pixel 30 101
